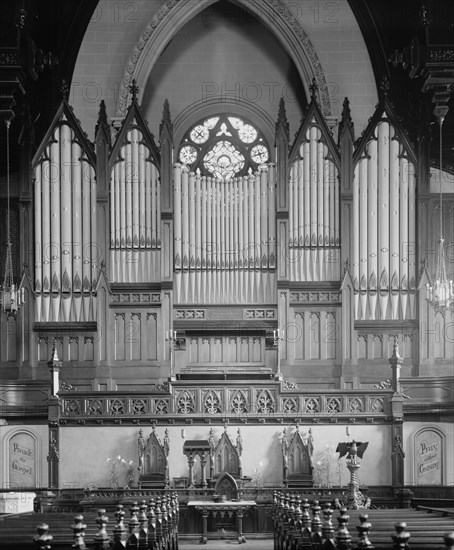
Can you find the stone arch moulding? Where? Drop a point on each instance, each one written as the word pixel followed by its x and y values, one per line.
pixel 428 456
pixel 174 14
pixel 37 463
pixel 206 108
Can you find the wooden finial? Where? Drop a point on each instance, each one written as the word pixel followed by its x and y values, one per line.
pixel 42 539
pixel 102 122
pixel 102 540
pixel 363 532
pixel 134 90
pixel 64 89
pixel 166 121
pixel 313 88
pixel 346 119
pixel 384 85
pixel 54 357
pixel 449 540
pixel 119 529
pixel 343 537
pixel 400 539
pixel 79 532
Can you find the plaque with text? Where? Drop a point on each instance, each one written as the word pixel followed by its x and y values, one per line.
pixel 428 458
pixel 22 455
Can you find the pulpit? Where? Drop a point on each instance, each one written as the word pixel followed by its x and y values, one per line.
pixel 297 454
pixel 153 461
pixel 200 448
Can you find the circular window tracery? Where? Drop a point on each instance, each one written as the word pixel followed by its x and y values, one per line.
pixel 223 146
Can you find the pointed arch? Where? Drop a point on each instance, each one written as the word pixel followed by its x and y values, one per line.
pixel 174 14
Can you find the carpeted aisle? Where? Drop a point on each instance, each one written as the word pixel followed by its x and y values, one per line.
pixel 252 544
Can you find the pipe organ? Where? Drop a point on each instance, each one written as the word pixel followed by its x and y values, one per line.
pixel 384 235
pixel 135 213
pixel 200 255
pixel 224 237
pixel 66 256
pixel 314 239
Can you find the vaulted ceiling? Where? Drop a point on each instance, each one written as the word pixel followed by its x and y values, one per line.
pixel 58 27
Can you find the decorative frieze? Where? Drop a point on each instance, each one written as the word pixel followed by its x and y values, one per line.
pixel 225 314
pixel 220 403
pixel 135 298
pixel 314 297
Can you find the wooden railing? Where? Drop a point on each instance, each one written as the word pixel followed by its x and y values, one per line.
pixel 296 529
pixel 152 526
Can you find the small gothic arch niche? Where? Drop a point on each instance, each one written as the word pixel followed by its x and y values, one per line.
pixel 153 460
pixel 429 456
pixel 297 452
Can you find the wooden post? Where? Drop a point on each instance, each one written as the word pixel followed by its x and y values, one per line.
pixel 343 538
pixel 203 462
pixel 102 540
pixel 79 532
pixel 239 518
pixel 204 538
pixel 400 539
pixel 42 539
pixel 119 529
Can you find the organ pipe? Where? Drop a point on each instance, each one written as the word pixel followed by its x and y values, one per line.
pixel 135 188
pixel 251 241
pixel 65 229
pixel 313 211
pixel 66 222
pixel 236 219
pixel 263 218
pixel 142 197
pixel 38 240
pixel 185 215
pixel 384 227
pixel 271 215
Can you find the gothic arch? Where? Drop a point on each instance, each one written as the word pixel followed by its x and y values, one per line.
pixel 174 14
pixel 211 107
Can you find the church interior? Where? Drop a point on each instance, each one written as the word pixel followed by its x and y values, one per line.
pixel 226 261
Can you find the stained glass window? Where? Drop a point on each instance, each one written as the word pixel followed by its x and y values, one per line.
pixel 200 134
pixel 224 160
pixel 259 154
pixel 224 146
pixel 188 154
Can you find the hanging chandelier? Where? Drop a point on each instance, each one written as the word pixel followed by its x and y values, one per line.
pixel 441 294
pixel 11 295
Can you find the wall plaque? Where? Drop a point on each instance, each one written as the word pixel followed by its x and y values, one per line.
pixel 22 460
pixel 428 458
pixel 225 313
